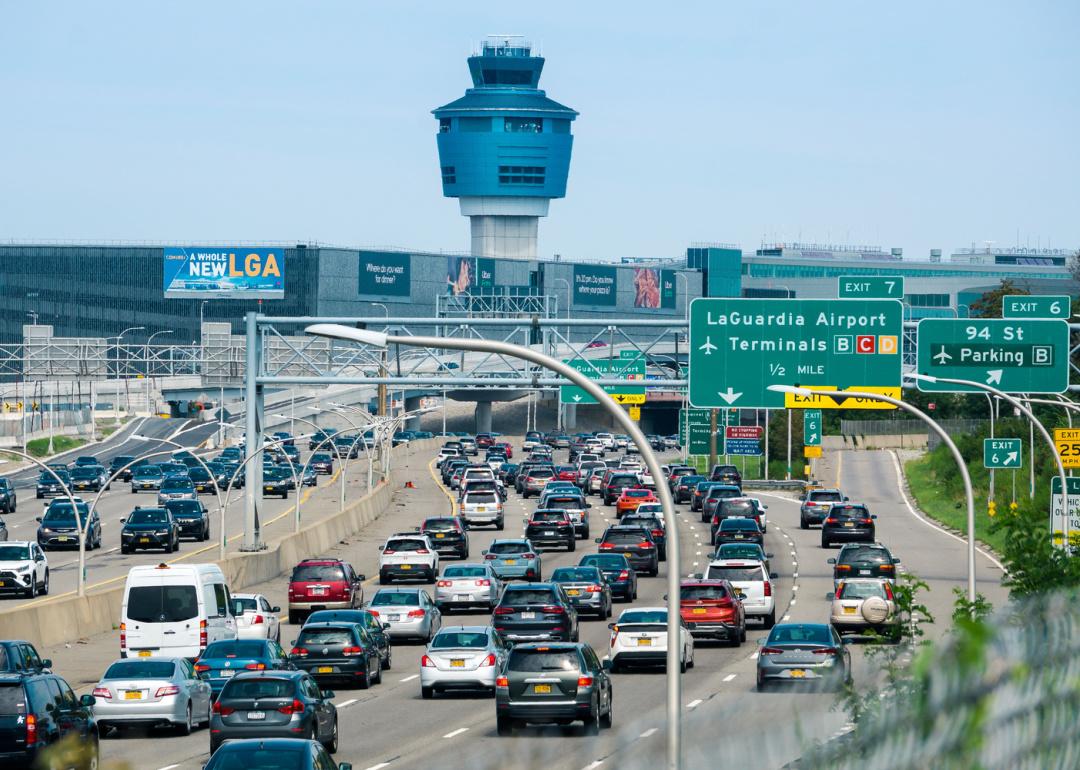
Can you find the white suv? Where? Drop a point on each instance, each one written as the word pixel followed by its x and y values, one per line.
pixel 481 507
pixel 639 638
pixel 24 568
pixel 608 441
pixel 408 556
pixel 752 583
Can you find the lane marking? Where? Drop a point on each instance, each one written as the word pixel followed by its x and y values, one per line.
pixel 693 704
pixel 786 617
pixel 458 731
pixel 346 703
pixel 595 763
pixel 839 467
pixel 794 588
pixel 650 731
pixel 729 677
pixel 378 766
pixel 791 603
pixel 410 678
pixel 754 656
pixel 168 767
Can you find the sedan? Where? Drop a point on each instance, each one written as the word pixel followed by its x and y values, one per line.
pixel 467 585
pixel 514 559
pixel 586 588
pixel 255 618
pixel 367 620
pixel 738 531
pixel 337 651
pixel 273 754
pixel 157 692
pixel 803 652
pixel 462 658
pixel 410 612
pixel 223 660
pixel 321 463
pixel 617 571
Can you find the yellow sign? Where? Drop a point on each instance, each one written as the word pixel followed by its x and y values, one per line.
pixel 628 398
pixel 1067 441
pixel 811 451
pixel 840 401
pixel 635 412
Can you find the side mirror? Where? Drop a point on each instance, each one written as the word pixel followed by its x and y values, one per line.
pixel 46 662
pixel 873 515
pixel 344 766
pixel 773 576
pixel 87 700
pixel 484 552
pixel 761 642
pixel 611 626
pixel 588 505
pixel 327 694
pixel 292 643
pixel 38 519
pixel 386 626
pixel 607 664
pixel 122 521
pixel 597 540
pixel 830 561
pixel 381 547
pixel 895 561
pixel 360 577
pixel 275 609
pixel 768 556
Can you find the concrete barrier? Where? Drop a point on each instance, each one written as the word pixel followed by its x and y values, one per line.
pixel 72 617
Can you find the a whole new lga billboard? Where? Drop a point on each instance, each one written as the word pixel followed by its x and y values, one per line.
pixel 594 285
pixel 224 271
pixel 385 274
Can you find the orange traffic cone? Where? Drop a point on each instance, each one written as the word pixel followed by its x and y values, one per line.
pixel 410 485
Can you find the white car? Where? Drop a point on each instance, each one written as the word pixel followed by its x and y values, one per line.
pixel 408 556
pixel 639 638
pixel 647 479
pixel 608 440
pixel 256 618
pixel 764 513
pixel 24 569
pixel 481 508
pixel 752 583
pixel 653 509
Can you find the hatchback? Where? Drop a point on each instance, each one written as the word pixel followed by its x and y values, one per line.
pixel 803 652
pixel 256 618
pixel 88 478
pixel 468 585
pixel 587 589
pixel 462 658
pixel 535 612
pixel 847 523
pixel 152 692
pixel 223 660
pixel 333 650
pixel 617 571
pixel 514 559
pixel 410 612
pixel 636 544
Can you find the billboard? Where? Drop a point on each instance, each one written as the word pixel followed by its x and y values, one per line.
pixel 485 274
pixel 654 288
pixel 594 285
pixel 460 275
pixel 224 271
pixel 384 274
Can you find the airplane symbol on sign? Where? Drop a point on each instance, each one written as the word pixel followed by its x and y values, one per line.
pixel 708 347
pixel 942 358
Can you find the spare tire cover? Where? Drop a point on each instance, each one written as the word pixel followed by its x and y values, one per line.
pixel 875 610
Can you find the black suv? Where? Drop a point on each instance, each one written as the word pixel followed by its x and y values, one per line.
pixel 815 505
pixel 735 530
pixel 58 528
pixel 447 535
pixel 860 560
pixel 192 517
pixel 713 495
pixel 651 522
pixel 276 482
pixel 615 484
pixel 847 523
pixel 149 528
pixel 535 612
pixel 551 526
pixel 734 508
pixel 636 544
pixel 118 462
pixel 8 500
pixel 38 710
pixel 728 474
pixel 17 656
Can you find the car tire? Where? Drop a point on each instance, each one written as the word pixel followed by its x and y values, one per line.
pixel 430 577
pixel 389 662
pixel 124 549
pixel 825 543
pixel 31 592
pixel 331 746
pixel 499 525
pixel 572 545
pixel 762 686
pixel 682 665
pixel 185 727
pixel 770 620
pixel 592 723
pixel 742 632
pixel 365 680
pixel 504 725
pixel 294 618
pixel 45 584
pixel 377 679
pixel 40 496
pixel 384 579
pixel 607 719
pixel 427 693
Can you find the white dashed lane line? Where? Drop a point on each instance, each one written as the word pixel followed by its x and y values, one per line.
pixel 729 677
pixel 410 678
pixel 647 733
pixel 343 704
pixel 168 767
pixel 458 731
pixel 379 766
pixel 593 764
pixel 693 704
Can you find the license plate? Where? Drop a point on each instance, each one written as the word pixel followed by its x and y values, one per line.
pixel 528 615
pixel 573 592
pixel 481 509
pixel 457 663
pixel 143 653
pixel 542 689
pixel 509 561
pixel 849 610
pixel 797 673
pixel 406 566
pixel 226 674
pixel 324 670
pixel 256 715
pixel 549 532
pixel 319 591
pixel 393 618
pixel 3 583
pixel 738 537
pixel 644 642
pixel 439 535
pixel 864 572
pixel 133 695
pixel 849 524
pixel 144 540
pixel 268 489
pixel 64 539
pixel 700 610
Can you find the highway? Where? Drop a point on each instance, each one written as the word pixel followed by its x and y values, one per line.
pixel 725 720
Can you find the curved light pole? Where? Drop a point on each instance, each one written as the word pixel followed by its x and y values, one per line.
pixel 674 646
pixel 969 493
pixel 116 393
pixel 340 410
pixel 1031 416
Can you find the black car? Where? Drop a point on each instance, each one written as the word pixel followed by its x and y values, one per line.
pixel 551 527
pixel 285 438
pixel 127 462
pixel 447 535
pixel 322 439
pixel 452 467
pixel 733 508
pixel 367 620
pixel 848 523
pixel 338 651
pixel 636 544
pixel 347 446
pixel 202 479
pixel 88 478
pixel 613 486
pixel 192 517
pixel 149 528
pixel 273 754
pixel 728 474
pixel 17 656
pixel 275 481
pixel 535 612
pixel 651 522
pixel 618 572
pixel 714 495
pixel 683 489
pixel 863 560
pixel 58 528
pixel 273 704
pixel 322 463
pixel 507 474
pixel 37 711
pixel 86 460
pixel 734 530
pixel 50 485
pixel 8 498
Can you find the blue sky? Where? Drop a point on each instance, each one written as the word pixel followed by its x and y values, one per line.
pixel 917 124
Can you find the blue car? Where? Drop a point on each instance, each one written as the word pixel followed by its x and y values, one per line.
pixel 514 560
pixel 223 660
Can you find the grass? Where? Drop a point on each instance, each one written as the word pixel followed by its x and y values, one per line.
pixel 39 447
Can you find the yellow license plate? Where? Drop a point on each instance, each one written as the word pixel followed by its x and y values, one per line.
pixel 457 664
pixel 849 610
pixel 849 524
pixel 797 673
pixel 133 696
pixel 481 509
pixel 700 610
pixel 144 540
pixel 542 689
pixel 508 561
pixel 268 489
pixel 144 653
pixel 324 670
pixel 439 535
pixel 573 592
pixel 406 566
pixel 644 642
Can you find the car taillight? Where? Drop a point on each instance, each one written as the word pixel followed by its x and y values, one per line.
pixel 202 635
pixel 31 730
pixel 415 614
pixel 169 690
pixel 388 552
pixel 201 667
pixel 502 681
pixel 349 651
pixel 657 533
pixel 504 611
pixel 123 636
pixel 830 520
pixel 624 575
pixel 553 610
pixel 606 546
pixel 222 710
pixel 885 567
pixel 771 651
pixel 490 556
pixel 867 521
pixel 584 681
pixel 374 612
pixel 427 662
pixel 839 590
pixel 888 592
pixel 527 556
pixel 257 620
pixel 255 667
pixel 484 582
pixel 444 584
pixel 296 707
pixel 299 652
pixel 826 651
pixel 421 550
pixel 594 589
pixel 716 521
pixel 843 568
pixel 645 544
pixel 103 692
pixel 768 588
pixel 488 661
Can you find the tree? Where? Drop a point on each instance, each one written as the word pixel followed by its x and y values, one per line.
pixel 1073 264
pixel 989 304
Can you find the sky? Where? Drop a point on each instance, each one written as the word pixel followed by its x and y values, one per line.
pixel 917 125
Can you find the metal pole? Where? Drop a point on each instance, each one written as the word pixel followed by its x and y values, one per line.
pixel 788 445
pixel 1031 443
pixel 253 438
pixel 991 400
pixel 713 427
pixel 767 444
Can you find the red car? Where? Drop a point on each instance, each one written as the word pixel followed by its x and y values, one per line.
pixel 484 440
pixel 323 584
pixel 505 447
pixel 711 610
pixel 567 473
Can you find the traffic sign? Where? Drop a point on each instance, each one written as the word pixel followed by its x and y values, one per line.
pixel 741 346
pixel 743 440
pixel 840 400
pixel 1004 453
pixel 1067 441
pixel 1016 356
pixel 811 451
pixel 812 428
pixel 630 365
pixel 877 287
pixel 635 413
pixel 628 398
pixel 700 425
pixel 744 431
pixel 1057 519
pixel 1036 306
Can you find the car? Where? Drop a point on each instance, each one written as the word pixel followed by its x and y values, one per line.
pixel 468 446
pixel 152 692
pixel 59 527
pixel 535 612
pixel 745 551
pixel 762 513
pixel 587 589
pixel 408 556
pixel 447 535
pixel 639 638
pixel 322 463
pixel 273 754
pixel 631 498
pixel 865 604
pixel 85 460
pixel 273 704
pixel 173 468
pixel 848 523
pixel 815 504
pixel 484 440
pixel 321 439
pixel 177 488
pixel 275 481
pixel 532 439
pixel 729 474
pixel 38 711
pixel 652 522
pixel 324 584
pixel 505 447
pixel 732 530
pixel 192 517
pixel 50 484
pixel 753 586
pixel 256 618
pixel 535 479
pixel 551 527
pixel 203 480
pixel 615 482
pixel 222 660
pixel 410 612
pixel 575 506
pixel 711 610
pixel 467 585
pixel 346 447
pixel 472 483
pixel 122 466
pixel 507 473
pixel 803 652
pixel 451 468
pixel 525 467
pixel 149 528
pixel 683 488
pixel 617 571
pixel 636 544
pixel 567 473
pixel 377 629
pixel 514 559
pixel 9 500
pixel 870 560
pixel 338 651
pixel 18 656
pixel 24 570
pixel 146 478
pixel 481 508
pixel 698 493
pixel 716 495
pixel 462 658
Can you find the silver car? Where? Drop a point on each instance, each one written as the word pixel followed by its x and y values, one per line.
pixel 468 585
pixel 515 559
pixel 152 692
pixel 177 488
pixel 462 658
pixel 410 612
pixel 477 508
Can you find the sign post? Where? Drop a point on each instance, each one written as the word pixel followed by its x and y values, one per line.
pixel 1003 453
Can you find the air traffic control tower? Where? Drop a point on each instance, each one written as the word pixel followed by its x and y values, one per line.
pixel 504 148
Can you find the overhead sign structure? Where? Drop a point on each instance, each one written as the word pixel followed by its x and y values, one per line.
pixel 812 427
pixel 741 346
pixel 224 272
pixel 1067 442
pixel 1036 306
pixel 1003 453
pixel 743 440
pixel 1057 517
pixel 870 287
pixel 1013 355
pixel 630 365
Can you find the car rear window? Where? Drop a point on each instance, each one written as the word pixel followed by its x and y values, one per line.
pixel 694 593
pixel 544 660
pixel 460 572
pixel 548 516
pixel 794 633
pixel 574 574
pixel 245 604
pixel 12 699
pixel 872 555
pixel 651 522
pixel 861 590
pixel 738 551
pixel 325 636
pixel 396 599
pixel 258 688
pixel 509 548
pixel 637 492
pixel 176 483
pixel 162 604
pixel 140 669
pixel 440 525
pixel 737 508
pixel 232 648
pixel 605 561
pixel 519 596
pixel 565 503
pixel 479 498
pixel 826 497
pixel 470 640
pixel 621 537
pixel 407 544
pixel 728 525
pixel 306 573
pixel 849 512
pixel 643 616
pixel 736 574
pixel 542 472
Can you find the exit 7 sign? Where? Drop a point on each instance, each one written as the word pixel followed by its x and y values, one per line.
pixel 870 287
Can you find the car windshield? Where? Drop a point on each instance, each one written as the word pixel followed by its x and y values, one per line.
pixel 479 498
pixel 85 472
pixel 312 573
pixel 61 515
pixel 325 636
pixel 521 596
pixel 509 548
pixel 543 660
pixel 257 688
pixel 406 544
pixel 14 552
pixel 795 633
pixel 320 458
pixel 147 472
pixel 643 616
pixel 233 648
pixel 575 575
pixel 740 574
pixel 48 478
pixel 140 669
pixel 605 561
pixel 162 604
pixel 624 536
pixel 440 525
pixel 464 572
pixel 695 593
pixel 862 590
pixel 148 517
pixel 176 483
pixel 471 640
pixel 542 516
pixel 865 554
pixel 396 599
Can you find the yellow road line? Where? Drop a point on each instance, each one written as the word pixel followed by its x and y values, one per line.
pixel 839 466
pixel 439 484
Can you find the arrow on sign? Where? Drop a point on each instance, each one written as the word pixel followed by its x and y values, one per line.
pixel 1010 458
pixel 729 395
pixel 994 376
pixel 577 398
pixel 813 437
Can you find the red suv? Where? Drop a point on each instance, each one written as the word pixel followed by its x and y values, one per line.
pixel 323 584
pixel 710 610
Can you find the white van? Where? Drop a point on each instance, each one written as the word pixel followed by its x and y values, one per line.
pixel 174 611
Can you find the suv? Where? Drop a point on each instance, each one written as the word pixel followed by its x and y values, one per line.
pixel 551 526
pixel 535 612
pixel 816 504
pixel 447 535
pixel 118 462
pixel 8 499
pixel 614 484
pixel 18 656
pixel 651 522
pixel 682 488
pixel 408 555
pixel 323 584
pixel 553 683
pixel 728 474
pixel 535 479
pixel 636 544
pixel 48 485
pixel 869 560
pixel 714 495
pixel 865 604
pixel 192 517
pixel 575 507
pixel 275 481
pixel 711 610
pixel 734 508
pixel 146 477
pixel 23 569
pixel 735 530
pixel 848 522
pixel 37 711
pixel 149 528
pixel 752 585
pixel 481 507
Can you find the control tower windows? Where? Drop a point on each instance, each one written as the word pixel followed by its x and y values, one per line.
pixel 444 125
pixel 449 175
pixel 508 77
pixel 531 175
pixel 523 125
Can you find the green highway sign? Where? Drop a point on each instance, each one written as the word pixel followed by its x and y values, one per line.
pixel 740 346
pixel 812 427
pixel 1003 453
pixel 699 424
pixel 1036 306
pixel 1014 355
pixel 630 365
pixel 876 287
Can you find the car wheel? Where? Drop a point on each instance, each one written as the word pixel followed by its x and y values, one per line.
pixel 31 592
pixel 427 693
pixel 504 725
pixel 294 618
pixel 124 549
pixel 388 663
pixel 592 723
pixel 331 745
pixel 384 579
pixel 45 585
pixel 572 545
pixel 762 686
pixel 770 619
pixel 742 633
pixel 609 717
pixel 365 680
pixel 824 543
pixel 682 665
pixel 499 525
pixel 185 727
pixel 377 679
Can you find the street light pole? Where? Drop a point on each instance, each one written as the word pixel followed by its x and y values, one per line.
pixel 621 418
pixel 116 392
